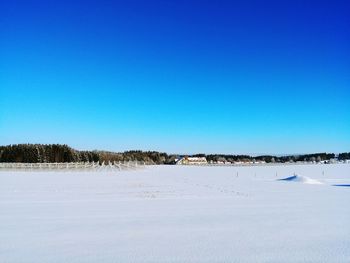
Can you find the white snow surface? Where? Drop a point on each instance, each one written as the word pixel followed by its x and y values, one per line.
pixel 176 214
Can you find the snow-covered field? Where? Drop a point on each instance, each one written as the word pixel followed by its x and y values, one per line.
pixel 177 214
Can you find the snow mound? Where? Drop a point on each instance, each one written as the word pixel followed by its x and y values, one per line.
pixel 301 179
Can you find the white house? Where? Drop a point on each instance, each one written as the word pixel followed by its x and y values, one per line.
pixel 192 160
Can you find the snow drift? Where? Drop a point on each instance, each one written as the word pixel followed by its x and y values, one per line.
pixel 301 179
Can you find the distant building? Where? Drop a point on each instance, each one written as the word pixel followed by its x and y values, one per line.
pixel 192 160
pixel 259 162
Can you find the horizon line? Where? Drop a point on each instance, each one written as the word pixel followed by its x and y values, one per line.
pixel 252 154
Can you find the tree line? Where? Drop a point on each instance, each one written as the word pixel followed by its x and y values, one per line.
pixel 344 156
pixel 57 153
pixel 315 157
pixel 42 153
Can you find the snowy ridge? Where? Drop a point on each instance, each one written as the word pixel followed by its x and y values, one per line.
pixel 301 179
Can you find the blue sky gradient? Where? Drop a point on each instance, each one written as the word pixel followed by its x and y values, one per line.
pixel 177 76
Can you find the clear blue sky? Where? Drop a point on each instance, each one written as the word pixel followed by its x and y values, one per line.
pixel 177 76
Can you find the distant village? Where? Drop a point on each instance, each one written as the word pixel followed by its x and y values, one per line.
pixel 222 161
